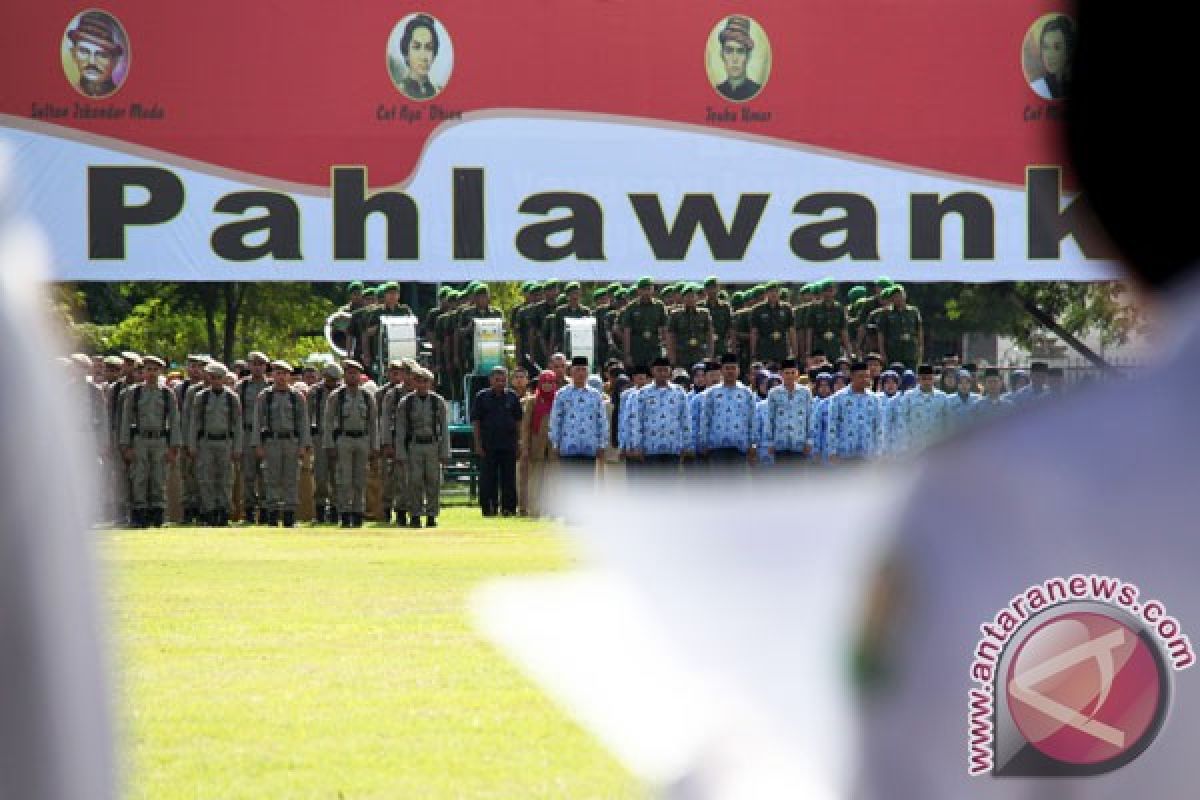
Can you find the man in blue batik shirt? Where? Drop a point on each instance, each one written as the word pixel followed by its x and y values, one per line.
pixel 626 408
pixel 727 419
pixel 924 414
pixel 578 422
pixel 789 418
pixel 662 424
pixel 855 419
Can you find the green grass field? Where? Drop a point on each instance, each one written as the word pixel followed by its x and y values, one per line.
pixel 314 663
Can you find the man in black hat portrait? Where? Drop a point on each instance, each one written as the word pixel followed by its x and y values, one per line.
pixel 736 48
pixel 97 50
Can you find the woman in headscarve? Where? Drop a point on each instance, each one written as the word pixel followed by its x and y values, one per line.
pixel 822 389
pixel 535 440
pixel 764 382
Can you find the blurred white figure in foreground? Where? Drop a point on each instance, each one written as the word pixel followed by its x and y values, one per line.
pixel 54 714
pixel 714 659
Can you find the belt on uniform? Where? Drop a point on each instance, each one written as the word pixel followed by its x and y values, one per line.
pixel 354 434
pixel 776 335
pixel 152 434
pixel 828 336
pixel 424 439
pixel 218 437
pixel 693 342
pixel 278 436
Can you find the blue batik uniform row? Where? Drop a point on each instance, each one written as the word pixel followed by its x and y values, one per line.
pixel 661 422
pixel 855 424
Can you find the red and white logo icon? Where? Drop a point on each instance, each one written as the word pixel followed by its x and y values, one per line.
pixel 1086 691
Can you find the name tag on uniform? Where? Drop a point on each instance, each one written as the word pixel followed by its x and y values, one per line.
pixel 829 336
pixel 645 334
pixel 693 342
pixel 904 337
pixel 776 335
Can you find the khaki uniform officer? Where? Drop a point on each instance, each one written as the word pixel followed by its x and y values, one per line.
pixel 351 439
pixel 323 496
pixel 215 443
pixel 394 494
pixel 185 390
pixel 150 439
pixel 252 483
pixel 423 443
pixel 280 438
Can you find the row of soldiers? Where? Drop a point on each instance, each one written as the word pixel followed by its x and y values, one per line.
pixel 688 322
pixel 858 414
pixel 260 430
pixel 684 322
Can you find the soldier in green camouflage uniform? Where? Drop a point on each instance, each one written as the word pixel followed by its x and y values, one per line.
pixel 390 307
pixel 644 325
pixel 572 309
pixel 150 439
pixel 772 328
pixel 690 331
pixel 670 297
pixel 854 298
pixel 601 311
pixel 516 323
pixel 281 437
pixel 740 327
pixel 481 308
pixel 825 327
pixel 358 323
pixel 900 330
pixel 868 313
pixel 721 313
pixel 535 319
pixel 613 332
pixel 443 332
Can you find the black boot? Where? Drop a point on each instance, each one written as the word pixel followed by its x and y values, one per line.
pixel 401 518
pixel 386 517
pixel 248 517
pixel 414 521
pixel 430 521
pixel 289 519
pixel 272 518
pixel 159 515
pixel 346 521
pixel 222 519
pixel 358 519
pixel 137 518
pixel 319 516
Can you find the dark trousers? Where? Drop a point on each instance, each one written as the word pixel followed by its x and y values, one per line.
pixel 791 457
pixel 498 482
pixel 660 464
pixel 723 458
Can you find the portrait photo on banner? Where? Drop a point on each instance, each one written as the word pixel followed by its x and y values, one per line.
pixel 1046 54
pixel 95 54
pixel 737 58
pixel 420 56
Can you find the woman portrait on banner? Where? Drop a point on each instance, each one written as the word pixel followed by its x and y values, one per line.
pixel 411 60
pixel 1056 46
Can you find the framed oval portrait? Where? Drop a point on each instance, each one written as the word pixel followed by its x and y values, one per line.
pixel 1046 54
pixel 95 54
pixel 420 56
pixel 737 57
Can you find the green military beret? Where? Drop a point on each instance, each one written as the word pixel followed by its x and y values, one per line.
pixel 739 297
pixel 769 285
pixel 526 287
pixel 645 282
pixel 624 292
pixel 572 286
pixel 856 293
pixel 444 292
pixel 561 300
pixel 600 291
pixel 757 291
pixel 711 280
pixel 723 295
pixel 897 287
pixel 613 287
pixel 689 288
pixel 390 286
pixel 883 282
pixel 888 291
pixel 471 287
pixel 354 286
pixel 482 288
pixel 785 293
pixel 371 291
pixel 551 283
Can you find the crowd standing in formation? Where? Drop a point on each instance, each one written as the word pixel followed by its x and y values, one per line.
pixel 686 381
